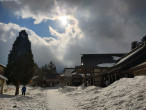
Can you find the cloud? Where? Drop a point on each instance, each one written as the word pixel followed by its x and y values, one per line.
pixel 40 46
pixel 99 26
pixel 63 51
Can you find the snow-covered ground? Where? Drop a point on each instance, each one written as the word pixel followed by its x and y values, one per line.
pixel 36 99
pixel 125 94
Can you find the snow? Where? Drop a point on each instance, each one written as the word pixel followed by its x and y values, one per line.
pixel 68 72
pixel 129 55
pixel 116 58
pixel 36 99
pixel 106 65
pixel 3 77
pixel 124 94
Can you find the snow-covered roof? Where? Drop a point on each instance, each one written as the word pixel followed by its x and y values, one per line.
pixel 142 65
pixel 92 60
pixel 34 77
pixel 2 65
pixel 116 58
pixel 3 77
pixel 106 65
pixel 68 72
pixel 74 73
pixel 130 54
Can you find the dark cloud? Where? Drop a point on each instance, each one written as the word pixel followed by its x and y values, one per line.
pixel 101 26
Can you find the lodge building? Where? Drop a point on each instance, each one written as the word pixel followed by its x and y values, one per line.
pixel 93 64
pixel 130 65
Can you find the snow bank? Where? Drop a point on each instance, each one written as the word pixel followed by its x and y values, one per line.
pixel 125 94
pixel 34 99
pixel 37 99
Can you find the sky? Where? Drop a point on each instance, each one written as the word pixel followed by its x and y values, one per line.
pixel 62 30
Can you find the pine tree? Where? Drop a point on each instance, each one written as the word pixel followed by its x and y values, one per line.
pixel 20 67
pixel 52 68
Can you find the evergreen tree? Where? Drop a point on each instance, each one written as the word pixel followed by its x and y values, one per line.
pixel 20 67
pixel 47 71
pixel 52 68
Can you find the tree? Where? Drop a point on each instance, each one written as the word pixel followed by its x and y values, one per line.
pixel 52 68
pixel 134 44
pixel 20 67
pixel 47 71
pixel 143 39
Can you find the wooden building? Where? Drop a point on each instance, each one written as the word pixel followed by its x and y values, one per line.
pixel 3 80
pixel 52 80
pixel 138 70
pixel 93 64
pixel 77 79
pixel 66 76
pixel 48 80
pixel 130 65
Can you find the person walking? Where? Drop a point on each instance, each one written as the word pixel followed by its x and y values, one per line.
pixel 107 83
pixel 23 90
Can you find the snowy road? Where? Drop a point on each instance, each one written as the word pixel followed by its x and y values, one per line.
pixel 59 101
pixel 36 99
pixel 124 94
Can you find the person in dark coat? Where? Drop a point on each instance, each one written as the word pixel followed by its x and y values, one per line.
pixel 23 90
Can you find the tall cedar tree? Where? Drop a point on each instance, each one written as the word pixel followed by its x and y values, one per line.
pixel 20 67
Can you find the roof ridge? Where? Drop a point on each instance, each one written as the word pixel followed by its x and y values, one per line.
pixel 132 51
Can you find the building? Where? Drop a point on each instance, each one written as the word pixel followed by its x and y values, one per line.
pixel 47 80
pixel 77 80
pixel 93 64
pixel 3 80
pixel 138 70
pixel 130 65
pixel 52 79
pixel 66 76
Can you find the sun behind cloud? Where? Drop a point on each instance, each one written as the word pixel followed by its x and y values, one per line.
pixel 64 20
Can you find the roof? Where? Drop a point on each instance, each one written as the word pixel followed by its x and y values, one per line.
pixel 138 67
pixel 142 64
pixel 34 77
pixel 52 76
pixel 104 54
pixel 2 65
pixel 130 57
pixel 106 65
pixel 68 72
pixel 94 60
pixel 130 54
pixel 3 77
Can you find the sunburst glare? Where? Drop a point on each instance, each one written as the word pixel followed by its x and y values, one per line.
pixel 64 20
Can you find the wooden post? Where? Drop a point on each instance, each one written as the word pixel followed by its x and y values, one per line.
pixel 93 77
pixel 85 79
pixel 102 81
pixel 2 87
pixel 17 90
